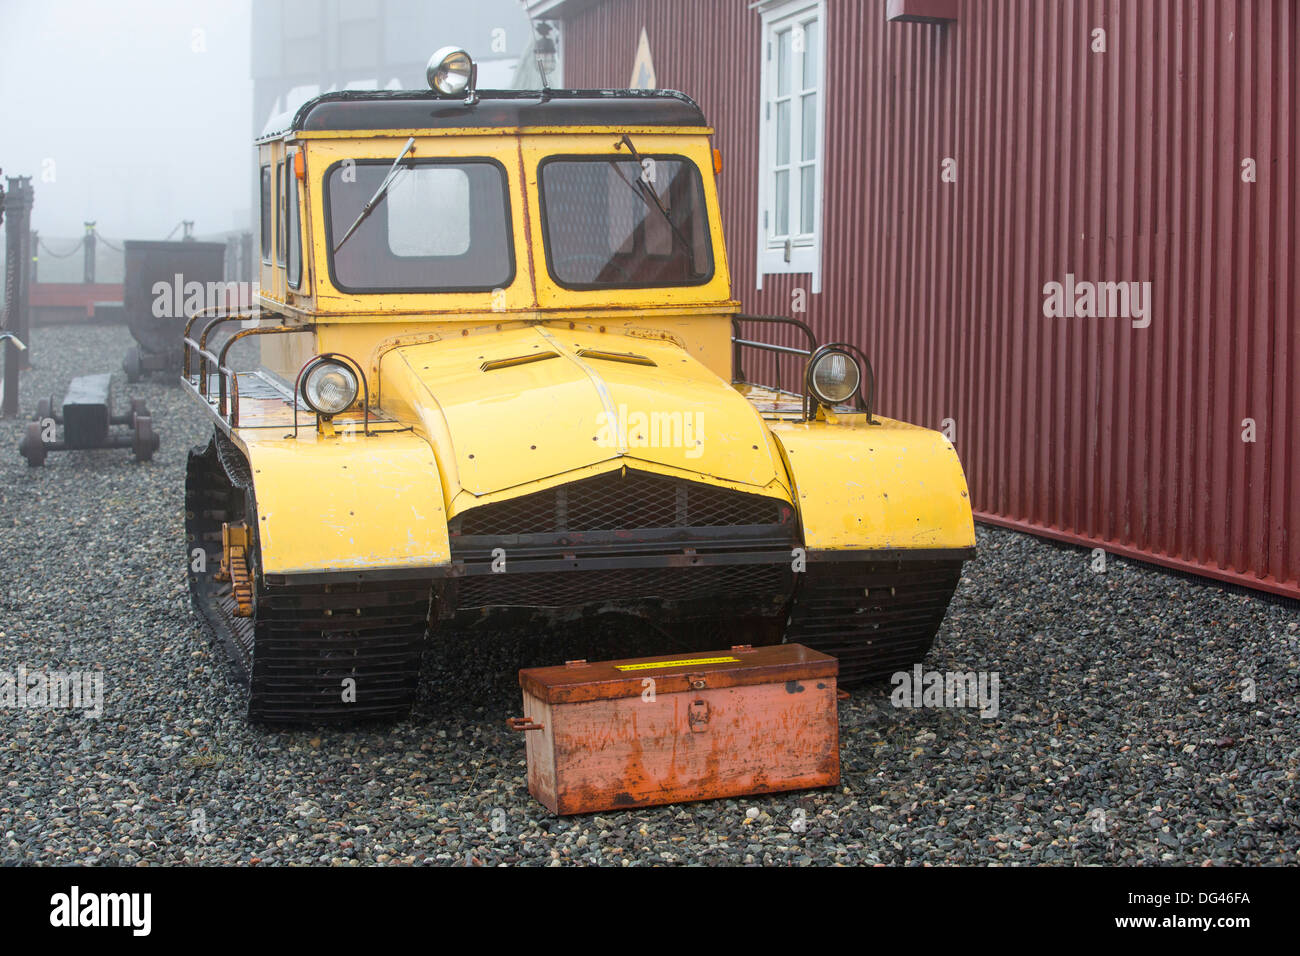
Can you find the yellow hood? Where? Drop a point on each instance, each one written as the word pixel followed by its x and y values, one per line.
pixel 507 408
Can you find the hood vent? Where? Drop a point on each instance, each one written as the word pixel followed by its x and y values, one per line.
pixel 493 364
pixel 627 358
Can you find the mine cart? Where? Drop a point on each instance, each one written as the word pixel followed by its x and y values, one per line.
pixel 166 282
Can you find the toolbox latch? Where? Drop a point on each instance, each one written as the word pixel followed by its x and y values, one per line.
pixel 696 681
pixel 698 716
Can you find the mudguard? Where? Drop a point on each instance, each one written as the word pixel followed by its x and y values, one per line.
pixel 365 504
pixel 882 487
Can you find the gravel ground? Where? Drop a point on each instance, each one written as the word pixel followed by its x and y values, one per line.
pixel 1123 735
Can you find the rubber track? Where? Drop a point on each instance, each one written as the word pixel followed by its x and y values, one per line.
pixel 877 618
pixel 303 643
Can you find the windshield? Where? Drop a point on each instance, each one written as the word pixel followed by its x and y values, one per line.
pixel 441 227
pixel 603 228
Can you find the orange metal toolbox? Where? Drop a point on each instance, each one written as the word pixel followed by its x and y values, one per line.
pixel 654 730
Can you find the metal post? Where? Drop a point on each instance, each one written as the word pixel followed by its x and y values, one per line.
pixel 9 372
pixel 33 262
pixel 17 219
pixel 89 276
pixel 29 276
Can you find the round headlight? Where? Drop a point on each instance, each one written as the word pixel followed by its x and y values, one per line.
pixel 449 71
pixel 329 387
pixel 834 377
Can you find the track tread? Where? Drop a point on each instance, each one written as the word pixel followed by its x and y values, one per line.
pixel 302 643
pixel 876 617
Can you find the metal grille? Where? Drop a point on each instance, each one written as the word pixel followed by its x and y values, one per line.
pixel 620 501
pixel 579 588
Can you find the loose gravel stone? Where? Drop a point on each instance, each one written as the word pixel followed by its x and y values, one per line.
pixel 1143 718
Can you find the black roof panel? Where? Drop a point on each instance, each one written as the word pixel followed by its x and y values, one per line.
pixel 406 109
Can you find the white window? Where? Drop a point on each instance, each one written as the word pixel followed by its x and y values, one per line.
pixel 790 138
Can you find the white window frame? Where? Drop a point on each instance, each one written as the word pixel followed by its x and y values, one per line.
pixel 805 250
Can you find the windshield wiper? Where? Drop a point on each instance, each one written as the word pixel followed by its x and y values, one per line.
pixel 380 193
pixel 649 194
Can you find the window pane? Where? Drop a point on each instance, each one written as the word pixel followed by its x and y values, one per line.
pixel 782 181
pixel 603 229
pixel 294 276
pixel 658 234
pixel 279 191
pixel 623 214
pixel 782 133
pixel 808 125
pixel 266 213
pixel 442 227
pixel 783 42
pixel 437 197
pixel 810 54
pixel 807 208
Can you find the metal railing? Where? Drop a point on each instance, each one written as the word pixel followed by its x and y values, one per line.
pixel 865 403
pixel 227 377
pixel 739 342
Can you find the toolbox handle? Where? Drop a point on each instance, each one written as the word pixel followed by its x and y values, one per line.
pixel 522 723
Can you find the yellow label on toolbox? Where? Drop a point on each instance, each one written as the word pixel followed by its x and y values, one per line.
pixel 648 665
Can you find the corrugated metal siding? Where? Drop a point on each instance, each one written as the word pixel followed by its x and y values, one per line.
pixel 1115 166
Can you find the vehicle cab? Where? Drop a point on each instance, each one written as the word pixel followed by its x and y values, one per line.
pixel 505 207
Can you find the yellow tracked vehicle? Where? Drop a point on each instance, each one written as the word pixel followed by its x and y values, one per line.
pixel 501 381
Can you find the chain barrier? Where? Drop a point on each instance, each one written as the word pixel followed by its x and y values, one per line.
pixel 61 255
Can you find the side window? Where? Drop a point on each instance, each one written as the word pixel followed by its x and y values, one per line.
pixel 266 214
pixel 294 271
pixel 282 238
pixel 790 180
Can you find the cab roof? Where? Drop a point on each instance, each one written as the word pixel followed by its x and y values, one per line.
pixel 372 110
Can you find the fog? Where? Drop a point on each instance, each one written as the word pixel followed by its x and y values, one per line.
pixel 135 114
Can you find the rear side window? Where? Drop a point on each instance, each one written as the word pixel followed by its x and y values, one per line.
pixel 281 240
pixel 294 271
pixel 266 213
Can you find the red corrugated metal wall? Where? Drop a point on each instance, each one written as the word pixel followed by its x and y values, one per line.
pixel 1117 166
